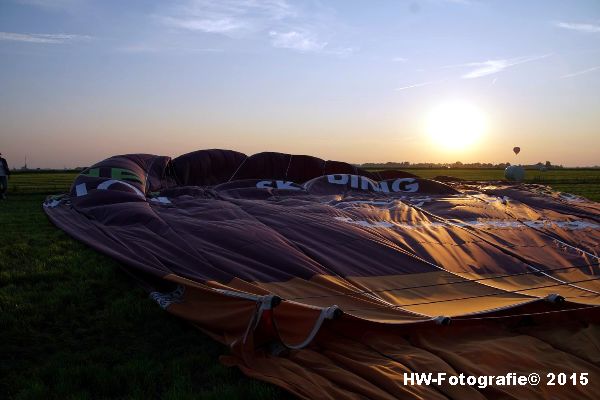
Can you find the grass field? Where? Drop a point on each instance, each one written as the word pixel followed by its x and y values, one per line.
pixel 73 326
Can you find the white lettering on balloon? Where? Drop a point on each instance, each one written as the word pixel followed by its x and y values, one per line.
pixel 286 185
pixel 364 183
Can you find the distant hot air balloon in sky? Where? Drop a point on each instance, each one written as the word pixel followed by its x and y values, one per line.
pixel 516 150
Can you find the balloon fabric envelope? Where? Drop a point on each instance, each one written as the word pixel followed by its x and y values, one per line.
pixel 334 282
pixel 514 173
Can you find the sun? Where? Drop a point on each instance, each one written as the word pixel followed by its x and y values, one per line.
pixel 455 125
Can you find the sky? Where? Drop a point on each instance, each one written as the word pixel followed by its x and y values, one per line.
pixel 347 80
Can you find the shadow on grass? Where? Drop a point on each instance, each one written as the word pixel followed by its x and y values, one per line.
pixel 75 326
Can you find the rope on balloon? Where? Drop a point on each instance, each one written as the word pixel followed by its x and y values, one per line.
pixel 474 297
pixel 458 282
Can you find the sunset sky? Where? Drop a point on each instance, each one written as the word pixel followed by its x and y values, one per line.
pixel 356 81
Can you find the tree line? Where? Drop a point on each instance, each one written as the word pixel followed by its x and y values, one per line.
pixel 456 165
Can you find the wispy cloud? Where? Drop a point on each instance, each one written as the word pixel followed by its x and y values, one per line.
pixel 49 38
pixel 294 40
pixel 491 67
pixel 341 51
pixel 67 5
pixel 480 69
pixel 416 85
pixel 580 27
pixel 138 48
pixel 399 59
pixel 228 17
pixel 223 25
pixel 286 26
pixel 486 68
pixel 464 2
pixel 150 49
pixel 585 71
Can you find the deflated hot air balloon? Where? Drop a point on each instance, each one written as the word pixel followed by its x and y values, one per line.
pixel 514 173
pixel 332 281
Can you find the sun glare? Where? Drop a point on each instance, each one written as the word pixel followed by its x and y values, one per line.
pixel 455 125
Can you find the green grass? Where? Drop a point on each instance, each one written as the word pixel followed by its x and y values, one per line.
pixel 73 326
pixel 42 183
